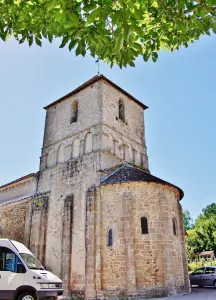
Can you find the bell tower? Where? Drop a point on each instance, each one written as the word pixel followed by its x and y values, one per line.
pixel 96 127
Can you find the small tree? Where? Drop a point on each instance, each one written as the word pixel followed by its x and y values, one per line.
pixel 188 222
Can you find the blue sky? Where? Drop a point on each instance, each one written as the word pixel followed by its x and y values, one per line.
pixel 180 122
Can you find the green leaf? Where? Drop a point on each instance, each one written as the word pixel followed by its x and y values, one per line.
pixel 50 37
pixel 38 41
pixel 30 40
pixel 89 7
pixel 146 56
pixel 44 32
pixel 81 48
pixel 131 63
pixel 64 41
pixel 115 17
pixel 155 4
pixel 119 43
pixel 154 56
pixel 22 40
pixel 93 16
pixel 72 44
pixel 214 27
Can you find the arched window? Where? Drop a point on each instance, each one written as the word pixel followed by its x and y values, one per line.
pixel 74 112
pixel 121 110
pixel 144 225
pixel 174 223
pixel 110 237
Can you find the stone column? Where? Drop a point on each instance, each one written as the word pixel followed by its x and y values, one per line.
pixel 67 242
pixel 129 242
pixel 184 255
pixel 38 228
pixel 90 245
pixel 98 266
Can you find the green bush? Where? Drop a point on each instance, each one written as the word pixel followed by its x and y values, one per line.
pixel 192 266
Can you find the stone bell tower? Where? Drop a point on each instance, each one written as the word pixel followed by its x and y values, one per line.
pixel 94 184
pixel 95 127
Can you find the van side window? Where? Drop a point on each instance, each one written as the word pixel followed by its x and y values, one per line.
pixel 9 262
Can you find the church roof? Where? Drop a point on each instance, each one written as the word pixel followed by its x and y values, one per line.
pixel 19 179
pixel 129 173
pixel 91 81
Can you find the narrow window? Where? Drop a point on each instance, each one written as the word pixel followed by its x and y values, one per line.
pixel 121 110
pixel 174 223
pixel 110 237
pixel 74 112
pixel 144 225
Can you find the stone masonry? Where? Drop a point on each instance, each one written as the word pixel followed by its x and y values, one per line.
pixel 93 189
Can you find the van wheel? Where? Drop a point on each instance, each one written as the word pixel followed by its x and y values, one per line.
pixel 27 296
pixel 214 284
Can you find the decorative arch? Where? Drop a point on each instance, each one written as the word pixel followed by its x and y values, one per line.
pixel 109 143
pixel 74 111
pixel 130 153
pixel 51 158
pixel 88 143
pixel 60 157
pixel 134 155
pixel 174 225
pixel 144 225
pixel 120 150
pixel 121 110
pixel 75 148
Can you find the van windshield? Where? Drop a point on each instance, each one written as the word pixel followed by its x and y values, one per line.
pixel 31 261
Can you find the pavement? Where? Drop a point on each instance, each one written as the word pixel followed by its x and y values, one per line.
pixel 197 293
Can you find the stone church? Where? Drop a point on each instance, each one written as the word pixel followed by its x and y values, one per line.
pixel 94 214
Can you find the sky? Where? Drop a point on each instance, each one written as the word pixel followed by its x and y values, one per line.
pixel 180 122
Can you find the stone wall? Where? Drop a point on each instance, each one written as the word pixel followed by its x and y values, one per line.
pixel 98 127
pixel 13 220
pixel 146 264
pixel 21 188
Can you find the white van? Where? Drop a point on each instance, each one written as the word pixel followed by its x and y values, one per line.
pixel 22 277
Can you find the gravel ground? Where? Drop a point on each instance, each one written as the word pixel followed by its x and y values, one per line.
pixel 197 294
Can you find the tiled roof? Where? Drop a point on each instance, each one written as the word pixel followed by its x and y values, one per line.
pixel 19 179
pixel 206 253
pixel 91 81
pixel 129 173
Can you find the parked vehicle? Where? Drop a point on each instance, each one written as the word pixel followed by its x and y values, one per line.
pixel 205 276
pixel 22 276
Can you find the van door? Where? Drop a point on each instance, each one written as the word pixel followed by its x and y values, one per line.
pixel 12 273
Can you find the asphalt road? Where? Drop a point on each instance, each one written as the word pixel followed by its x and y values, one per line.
pixel 197 293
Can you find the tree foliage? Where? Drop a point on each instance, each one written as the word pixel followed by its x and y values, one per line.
pixel 209 211
pixel 188 222
pixel 115 31
pixel 202 236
